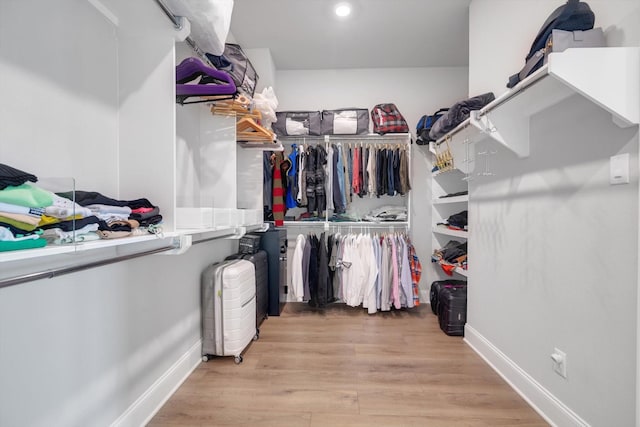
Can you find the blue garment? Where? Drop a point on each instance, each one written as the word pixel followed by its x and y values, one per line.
pixel 290 199
pixel 390 180
pixel 341 181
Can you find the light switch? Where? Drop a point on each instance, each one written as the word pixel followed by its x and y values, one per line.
pixel 619 169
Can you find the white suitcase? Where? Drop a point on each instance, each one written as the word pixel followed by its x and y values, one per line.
pixel 228 309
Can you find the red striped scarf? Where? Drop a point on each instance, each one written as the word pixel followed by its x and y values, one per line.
pixel 278 191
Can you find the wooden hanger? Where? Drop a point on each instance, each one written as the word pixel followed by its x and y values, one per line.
pixel 248 130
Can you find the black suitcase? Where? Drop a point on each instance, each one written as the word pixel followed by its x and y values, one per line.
pixel 452 309
pixel 435 291
pixel 259 259
pixel 249 244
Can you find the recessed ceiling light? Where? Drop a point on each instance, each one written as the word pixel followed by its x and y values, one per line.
pixel 343 9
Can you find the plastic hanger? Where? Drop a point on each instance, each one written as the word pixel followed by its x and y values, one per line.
pixel 212 82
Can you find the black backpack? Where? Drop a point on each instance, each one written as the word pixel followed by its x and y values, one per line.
pixel 573 16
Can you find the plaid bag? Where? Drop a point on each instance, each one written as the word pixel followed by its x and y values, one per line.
pixel 387 119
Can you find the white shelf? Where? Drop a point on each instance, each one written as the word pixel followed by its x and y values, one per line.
pixel 605 76
pixel 388 137
pixel 451 200
pixel 449 232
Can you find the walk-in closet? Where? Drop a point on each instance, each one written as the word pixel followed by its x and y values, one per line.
pixel 313 213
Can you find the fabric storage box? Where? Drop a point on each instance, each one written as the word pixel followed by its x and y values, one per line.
pixel 249 244
pixel 235 62
pixel 297 123
pixel 345 121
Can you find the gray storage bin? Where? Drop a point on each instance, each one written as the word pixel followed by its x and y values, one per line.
pixel 345 121
pixel 297 123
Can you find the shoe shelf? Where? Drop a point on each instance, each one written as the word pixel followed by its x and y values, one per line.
pixel 449 232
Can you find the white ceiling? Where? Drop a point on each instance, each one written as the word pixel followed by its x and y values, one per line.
pixel 306 34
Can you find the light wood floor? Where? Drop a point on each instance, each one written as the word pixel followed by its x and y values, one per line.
pixel 342 367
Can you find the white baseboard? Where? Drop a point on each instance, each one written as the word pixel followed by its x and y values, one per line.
pixel 150 402
pixel 539 398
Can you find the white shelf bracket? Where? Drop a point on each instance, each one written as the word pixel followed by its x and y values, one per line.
pixel 612 81
pixel 182 243
pixel 511 131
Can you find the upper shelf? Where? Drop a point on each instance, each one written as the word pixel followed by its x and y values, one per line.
pixel 389 137
pixel 605 76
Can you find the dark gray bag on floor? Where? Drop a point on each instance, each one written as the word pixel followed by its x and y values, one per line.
pixel 259 260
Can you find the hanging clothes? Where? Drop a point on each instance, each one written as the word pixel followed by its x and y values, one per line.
pixel 341 177
pixel 278 191
pixel 267 181
pixel 376 272
pixel 328 173
pixel 297 279
pixel 292 183
pixel 356 181
pixel 338 183
pixel 301 196
pixel 310 178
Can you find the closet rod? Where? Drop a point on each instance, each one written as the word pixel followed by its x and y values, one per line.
pixel 177 23
pixel 514 92
pixel 50 274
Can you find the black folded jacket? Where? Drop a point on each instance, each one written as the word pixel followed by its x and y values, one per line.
pixel 10 176
pixel 458 113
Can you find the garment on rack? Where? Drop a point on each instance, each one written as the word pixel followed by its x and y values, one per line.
pixel 338 182
pixel 292 190
pixel 321 195
pixel 301 197
pixel 328 173
pixel 416 272
pixel 267 181
pixel 278 191
pixel 297 279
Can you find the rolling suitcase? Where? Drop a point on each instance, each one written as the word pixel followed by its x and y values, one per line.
pixel 260 261
pixel 436 286
pixel 452 309
pixel 228 309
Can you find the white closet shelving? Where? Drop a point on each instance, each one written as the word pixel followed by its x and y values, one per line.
pixel 444 183
pixel 359 206
pixel 604 76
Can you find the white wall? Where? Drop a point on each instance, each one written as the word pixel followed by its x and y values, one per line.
pixel 79 350
pixel 59 117
pixel 415 91
pixel 262 61
pixel 554 247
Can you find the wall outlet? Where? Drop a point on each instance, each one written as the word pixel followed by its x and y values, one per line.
pixel 559 359
pixel 619 169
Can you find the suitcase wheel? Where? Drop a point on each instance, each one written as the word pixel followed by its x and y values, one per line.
pixel 205 358
pixel 238 359
pixel 257 335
